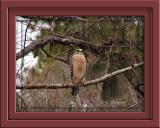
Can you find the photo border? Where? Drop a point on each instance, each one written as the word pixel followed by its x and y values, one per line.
pixel 12 8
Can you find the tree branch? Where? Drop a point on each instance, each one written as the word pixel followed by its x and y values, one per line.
pixel 97 50
pixel 61 18
pixel 60 40
pixel 22 101
pixel 86 83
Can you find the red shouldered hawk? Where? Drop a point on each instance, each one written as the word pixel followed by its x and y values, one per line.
pixel 78 69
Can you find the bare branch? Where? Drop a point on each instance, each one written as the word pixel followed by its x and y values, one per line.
pixel 60 18
pixel 22 101
pixel 133 105
pixel 86 83
pixel 71 18
pixel 58 39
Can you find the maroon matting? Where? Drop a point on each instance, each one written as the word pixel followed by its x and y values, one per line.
pixel 12 8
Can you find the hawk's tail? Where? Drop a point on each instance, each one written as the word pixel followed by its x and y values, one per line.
pixel 75 90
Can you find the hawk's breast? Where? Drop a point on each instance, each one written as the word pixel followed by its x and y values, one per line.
pixel 79 67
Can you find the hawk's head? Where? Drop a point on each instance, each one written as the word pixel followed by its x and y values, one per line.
pixel 79 50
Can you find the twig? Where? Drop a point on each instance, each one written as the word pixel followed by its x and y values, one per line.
pixel 22 101
pixel 133 105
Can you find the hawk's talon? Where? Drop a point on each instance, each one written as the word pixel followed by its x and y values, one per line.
pixel 82 82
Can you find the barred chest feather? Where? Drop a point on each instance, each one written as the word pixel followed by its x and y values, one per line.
pixel 79 67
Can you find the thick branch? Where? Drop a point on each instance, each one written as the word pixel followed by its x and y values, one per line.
pixel 58 39
pixel 86 83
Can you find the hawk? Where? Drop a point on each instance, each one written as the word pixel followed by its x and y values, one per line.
pixel 78 69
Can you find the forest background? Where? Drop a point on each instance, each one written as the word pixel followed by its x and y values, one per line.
pixel 110 43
